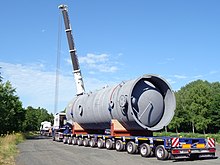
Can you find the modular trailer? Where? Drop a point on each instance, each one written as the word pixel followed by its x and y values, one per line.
pixel 163 148
pixel 139 106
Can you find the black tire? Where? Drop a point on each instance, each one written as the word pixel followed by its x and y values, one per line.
pixel 86 142
pixel 161 153
pixel 80 141
pixel 74 141
pixel 119 146
pixel 109 144
pixel 145 150
pixel 101 143
pixel 131 147
pixel 92 142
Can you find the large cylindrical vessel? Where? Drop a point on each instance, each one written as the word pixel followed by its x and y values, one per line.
pixel 144 103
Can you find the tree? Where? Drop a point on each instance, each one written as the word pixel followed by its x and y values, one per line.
pixel 43 115
pixel 34 117
pixel 13 117
pixel 194 108
pixel 31 120
pixel 214 113
pixel 178 118
pixel 12 113
pixel 201 101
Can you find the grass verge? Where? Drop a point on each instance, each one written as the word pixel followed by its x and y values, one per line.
pixel 8 148
pixel 31 134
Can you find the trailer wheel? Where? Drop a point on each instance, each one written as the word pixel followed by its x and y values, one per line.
pixel 86 142
pixel 161 153
pixel 100 143
pixel 131 147
pixel 145 150
pixel 109 144
pixel 92 142
pixel 74 141
pixel 80 141
pixel 69 140
pixel 119 146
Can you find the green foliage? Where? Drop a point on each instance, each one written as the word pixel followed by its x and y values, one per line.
pixel 34 117
pixel 215 108
pixel 12 113
pixel 30 134
pixel 179 116
pixel 197 109
pixel 13 117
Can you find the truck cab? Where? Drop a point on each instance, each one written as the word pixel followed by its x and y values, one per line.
pixel 45 128
pixel 59 126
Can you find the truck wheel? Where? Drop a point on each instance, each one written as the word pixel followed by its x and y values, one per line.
pixel 109 144
pixel 131 147
pixel 100 143
pixel 145 150
pixel 92 142
pixel 119 146
pixel 161 153
pixel 80 141
pixel 86 142
pixel 69 140
pixel 74 141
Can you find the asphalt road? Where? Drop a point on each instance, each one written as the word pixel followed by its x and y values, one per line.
pixel 43 151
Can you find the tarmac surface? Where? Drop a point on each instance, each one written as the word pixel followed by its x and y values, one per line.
pixel 44 151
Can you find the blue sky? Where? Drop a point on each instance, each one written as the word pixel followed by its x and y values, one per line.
pixel 116 40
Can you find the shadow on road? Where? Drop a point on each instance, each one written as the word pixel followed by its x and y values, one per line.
pixel 193 160
pixel 39 137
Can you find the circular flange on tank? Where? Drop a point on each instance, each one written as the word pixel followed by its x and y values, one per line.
pixel 151 99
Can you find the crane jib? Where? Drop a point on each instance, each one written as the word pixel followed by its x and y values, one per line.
pixel 76 69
